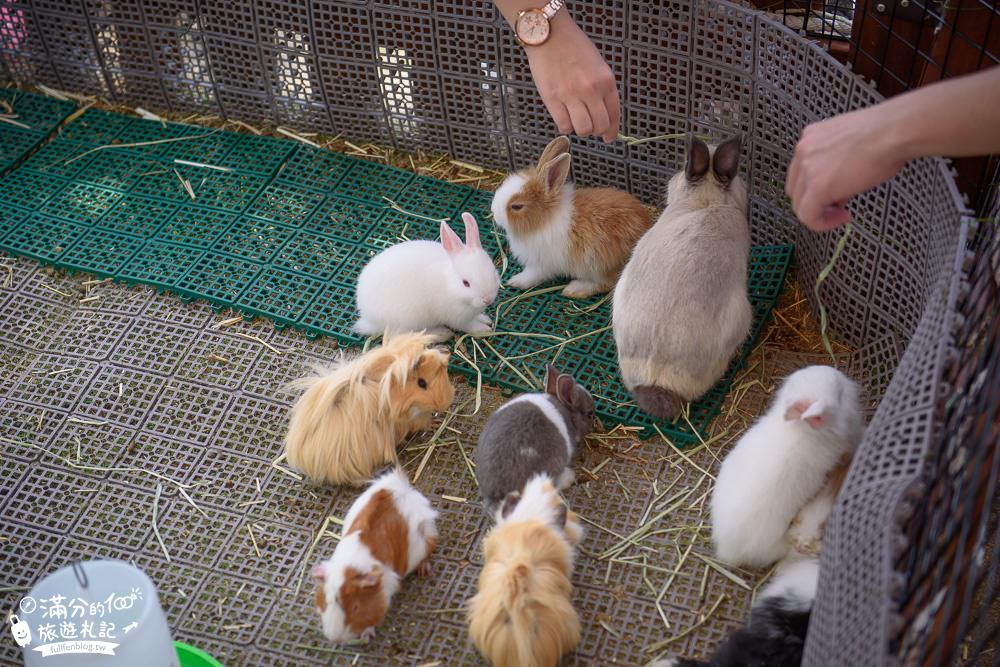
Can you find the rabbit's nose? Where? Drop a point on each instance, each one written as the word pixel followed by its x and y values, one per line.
pixel 487 300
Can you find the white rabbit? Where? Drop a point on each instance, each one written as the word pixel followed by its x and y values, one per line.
pixel 680 311
pixel 429 286
pixel 781 464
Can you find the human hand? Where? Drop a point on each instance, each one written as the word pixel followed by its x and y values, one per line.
pixel 839 158
pixel 575 83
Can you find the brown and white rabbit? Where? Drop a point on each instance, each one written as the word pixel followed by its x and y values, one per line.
pixel 521 615
pixel 555 230
pixel 680 311
pixel 351 417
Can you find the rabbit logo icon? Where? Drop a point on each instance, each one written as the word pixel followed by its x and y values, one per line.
pixel 21 631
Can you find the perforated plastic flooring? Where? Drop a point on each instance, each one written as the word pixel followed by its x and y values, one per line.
pixel 135 379
pixel 281 230
pixel 26 121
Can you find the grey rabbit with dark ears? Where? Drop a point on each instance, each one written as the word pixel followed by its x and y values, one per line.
pixel 680 310
pixel 533 434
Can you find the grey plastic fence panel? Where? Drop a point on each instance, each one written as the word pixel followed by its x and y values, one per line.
pixel 446 76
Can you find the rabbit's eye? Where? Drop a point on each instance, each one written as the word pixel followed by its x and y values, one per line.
pixel 422 383
pixel 516 207
pixel 466 283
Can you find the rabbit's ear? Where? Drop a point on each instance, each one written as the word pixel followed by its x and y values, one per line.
pixel 471 231
pixel 556 147
pixel 564 389
pixel 555 172
pixel 726 161
pixel 449 239
pixel 551 376
pixel 698 159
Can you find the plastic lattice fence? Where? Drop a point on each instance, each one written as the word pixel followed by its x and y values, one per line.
pixel 25 121
pixel 280 230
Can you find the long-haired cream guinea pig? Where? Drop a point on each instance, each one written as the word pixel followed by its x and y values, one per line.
pixel 388 533
pixel 680 311
pixel 429 286
pixel 555 230
pixel 521 615
pixel 351 417
pixel 781 464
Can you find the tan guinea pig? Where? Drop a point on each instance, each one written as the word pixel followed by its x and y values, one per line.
pixel 347 423
pixel 521 615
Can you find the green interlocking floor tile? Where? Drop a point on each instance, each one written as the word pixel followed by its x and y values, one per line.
pixel 34 117
pixel 280 230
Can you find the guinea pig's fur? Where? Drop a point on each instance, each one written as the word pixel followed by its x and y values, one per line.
pixel 351 417
pixel 521 615
pixel 808 527
pixel 388 533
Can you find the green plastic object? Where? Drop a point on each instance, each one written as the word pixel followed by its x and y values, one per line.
pixel 194 657
pixel 34 117
pixel 281 230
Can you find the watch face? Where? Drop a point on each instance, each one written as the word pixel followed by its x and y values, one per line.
pixel 532 27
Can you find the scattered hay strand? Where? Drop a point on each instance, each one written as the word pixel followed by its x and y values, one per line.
pixel 200 165
pixel 7 119
pixel 60 292
pixel 839 248
pixel 254 540
pixel 228 322
pixel 635 141
pixel 297 137
pixel 731 576
pixel 399 209
pixel 156 528
pixel 454 499
pixel 186 184
pixel 261 341
pixel 138 144
pixel 658 646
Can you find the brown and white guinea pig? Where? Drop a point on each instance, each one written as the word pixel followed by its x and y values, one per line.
pixel 388 533
pixel 351 417
pixel 555 230
pixel 521 615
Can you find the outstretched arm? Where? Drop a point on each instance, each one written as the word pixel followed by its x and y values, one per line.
pixel 575 83
pixel 843 156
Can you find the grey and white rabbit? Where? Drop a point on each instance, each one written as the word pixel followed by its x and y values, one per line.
pixel 531 435
pixel 680 310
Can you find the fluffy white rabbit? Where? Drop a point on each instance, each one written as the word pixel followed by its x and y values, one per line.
pixel 782 463
pixel 429 286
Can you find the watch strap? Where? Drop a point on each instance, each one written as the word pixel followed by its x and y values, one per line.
pixel 552 7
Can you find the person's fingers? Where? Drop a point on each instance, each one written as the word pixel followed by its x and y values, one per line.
pixel 834 216
pixel 791 177
pixel 582 123
pixel 809 211
pixel 613 105
pixel 560 115
pixel 599 115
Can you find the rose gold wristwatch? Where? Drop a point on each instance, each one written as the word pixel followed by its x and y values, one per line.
pixel 532 25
